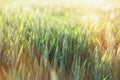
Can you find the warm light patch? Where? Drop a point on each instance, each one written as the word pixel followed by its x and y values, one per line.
pixel 92 3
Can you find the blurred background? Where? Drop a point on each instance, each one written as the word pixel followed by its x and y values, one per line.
pixel 84 3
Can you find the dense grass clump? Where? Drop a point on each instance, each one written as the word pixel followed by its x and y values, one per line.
pixel 58 43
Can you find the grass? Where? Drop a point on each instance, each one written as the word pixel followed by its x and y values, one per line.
pixel 59 43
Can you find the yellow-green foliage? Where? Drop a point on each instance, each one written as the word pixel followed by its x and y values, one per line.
pixel 59 42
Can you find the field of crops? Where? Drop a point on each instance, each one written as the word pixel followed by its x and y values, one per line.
pixel 52 40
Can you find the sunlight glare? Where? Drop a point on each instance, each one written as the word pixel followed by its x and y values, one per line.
pixel 107 7
pixel 92 3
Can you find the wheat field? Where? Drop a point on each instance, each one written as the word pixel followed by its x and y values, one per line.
pixel 59 40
